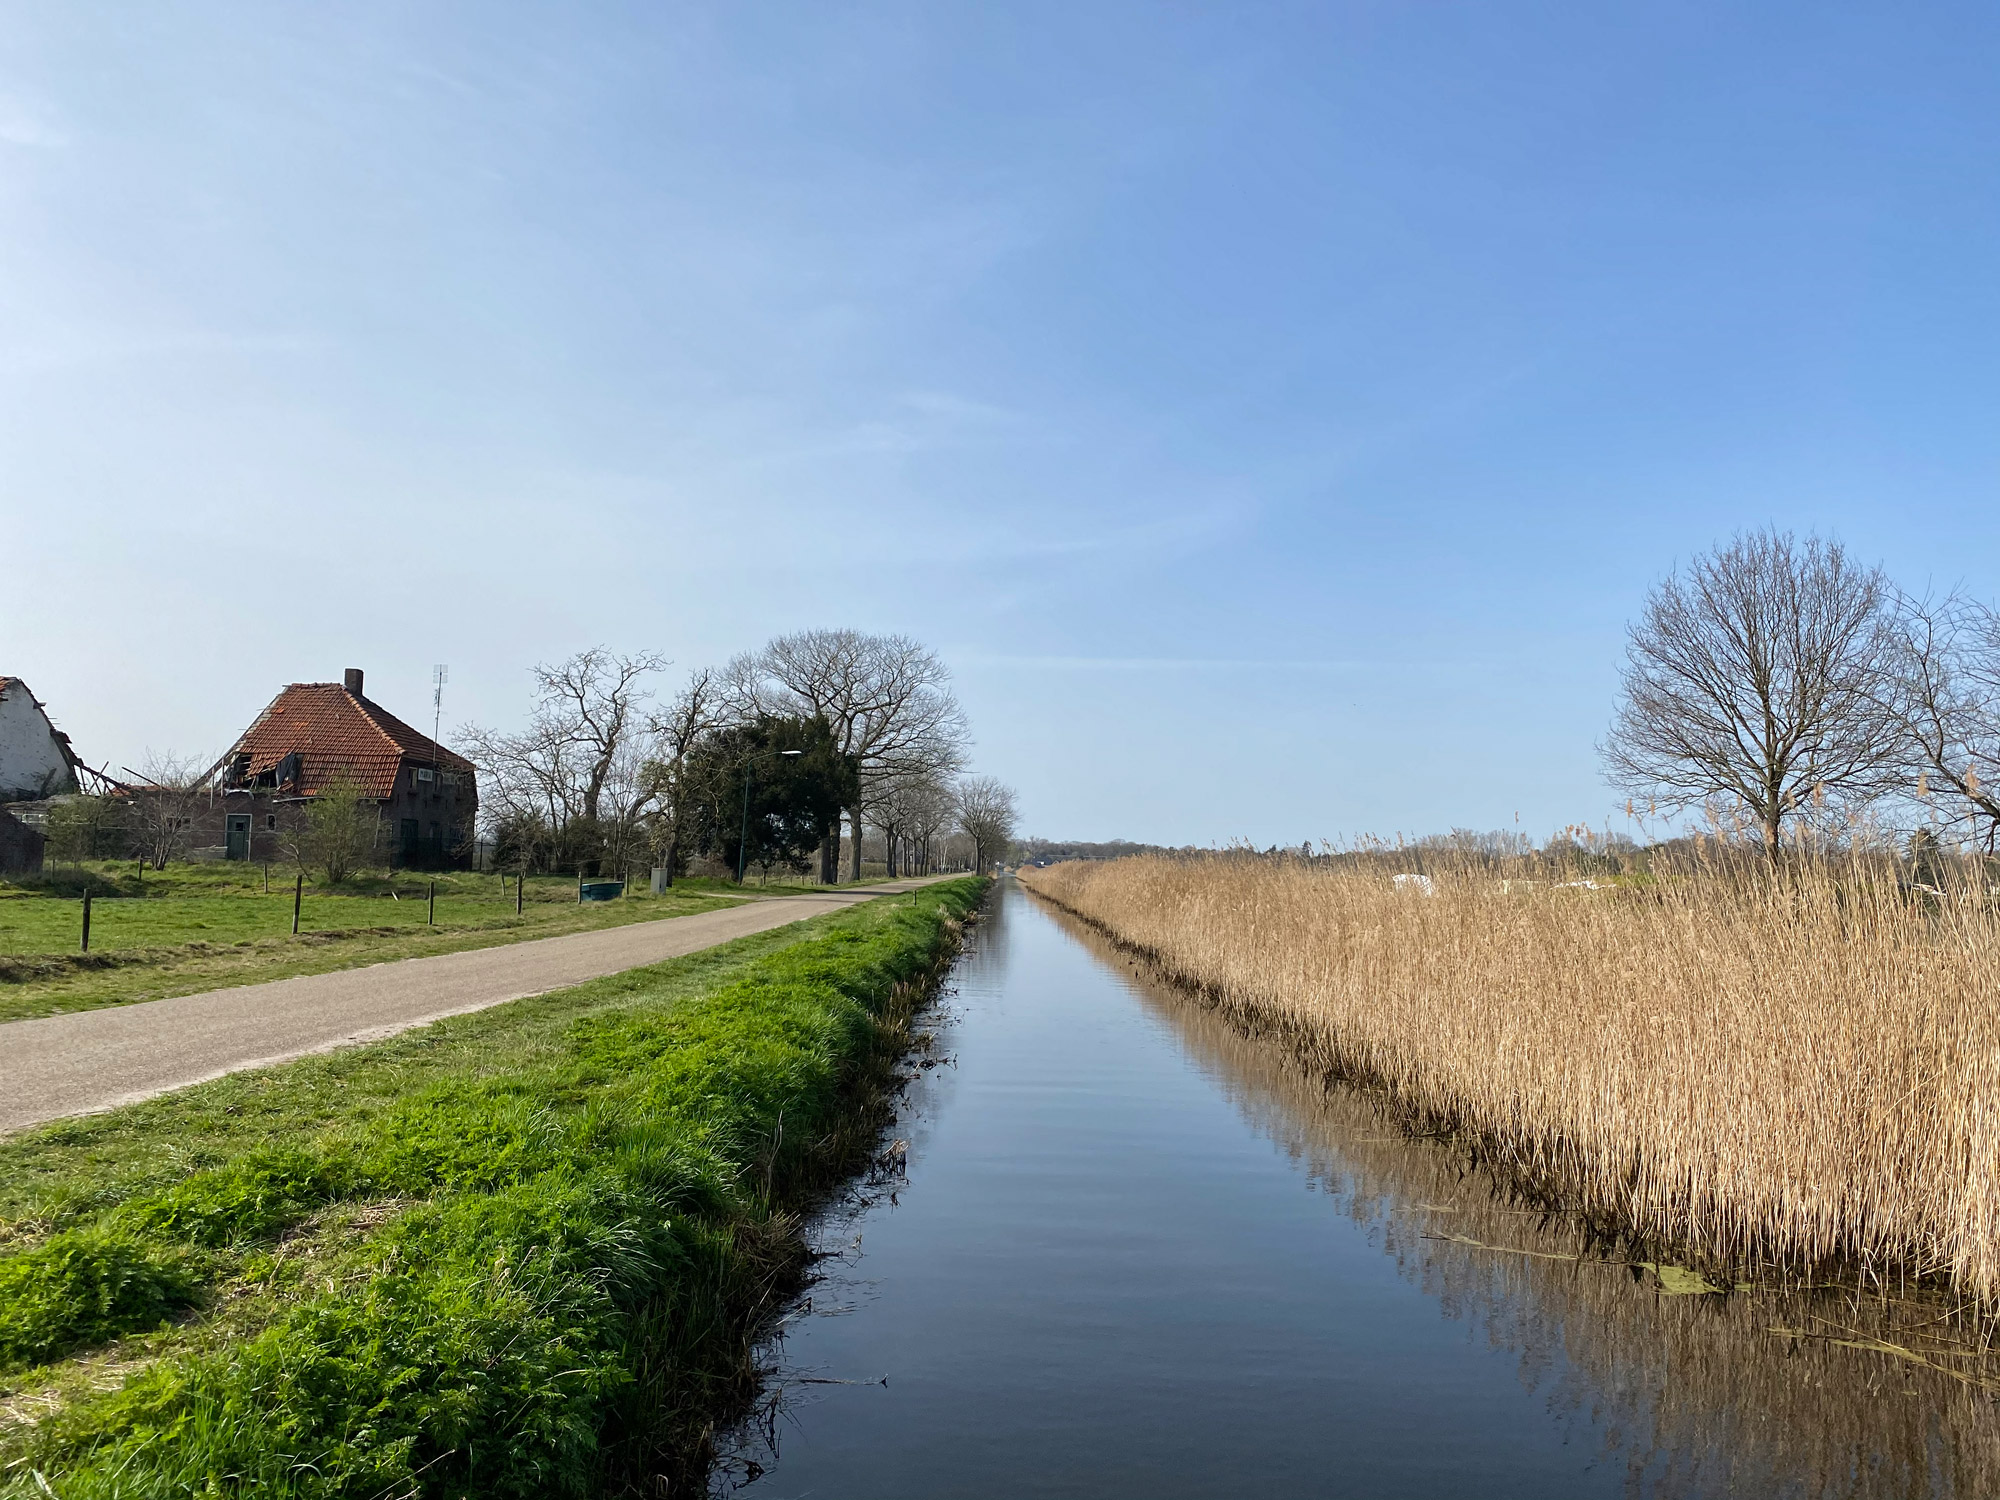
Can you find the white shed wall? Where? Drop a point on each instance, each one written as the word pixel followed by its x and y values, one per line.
pixel 29 754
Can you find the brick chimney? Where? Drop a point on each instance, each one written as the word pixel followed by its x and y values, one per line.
pixel 354 681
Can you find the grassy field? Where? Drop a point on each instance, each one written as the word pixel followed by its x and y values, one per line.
pixel 197 927
pixel 1771 1077
pixel 519 1252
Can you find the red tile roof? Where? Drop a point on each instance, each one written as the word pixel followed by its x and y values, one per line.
pixel 337 734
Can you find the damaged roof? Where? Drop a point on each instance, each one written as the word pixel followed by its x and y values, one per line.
pixel 336 733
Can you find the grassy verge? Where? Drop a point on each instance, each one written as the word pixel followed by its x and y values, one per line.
pixel 519 1252
pixel 190 931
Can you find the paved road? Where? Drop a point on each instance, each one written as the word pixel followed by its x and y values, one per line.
pixel 98 1059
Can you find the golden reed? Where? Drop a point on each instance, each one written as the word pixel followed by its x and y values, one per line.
pixel 1796 1076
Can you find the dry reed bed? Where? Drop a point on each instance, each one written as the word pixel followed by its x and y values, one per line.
pixel 1693 1391
pixel 1796 1077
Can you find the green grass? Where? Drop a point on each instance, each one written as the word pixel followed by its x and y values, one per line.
pixel 199 927
pixel 520 1252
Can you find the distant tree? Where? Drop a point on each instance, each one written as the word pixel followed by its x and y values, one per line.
pixel 334 832
pixel 1053 851
pixel 599 696
pixel 522 839
pixel 1753 679
pixel 1943 695
pixel 88 827
pixel 531 779
pixel 171 793
pixel 578 759
pixel 792 800
pixel 675 794
pixel 911 816
pixel 1929 862
pixel 887 700
pixel 624 802
pixel 987 815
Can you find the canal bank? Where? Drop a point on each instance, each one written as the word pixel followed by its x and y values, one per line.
pixel 519 1252
pixel 1136 1253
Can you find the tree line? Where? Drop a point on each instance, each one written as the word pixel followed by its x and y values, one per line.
pixel 757 764
pixel 1792 694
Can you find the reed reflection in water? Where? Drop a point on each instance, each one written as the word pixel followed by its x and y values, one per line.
pixel 1698 1395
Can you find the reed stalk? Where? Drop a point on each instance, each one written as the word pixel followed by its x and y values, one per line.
pixel 1792 1074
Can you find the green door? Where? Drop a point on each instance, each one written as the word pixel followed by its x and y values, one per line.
pixel 410 837
pixel 236 837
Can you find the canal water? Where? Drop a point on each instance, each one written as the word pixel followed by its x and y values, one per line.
pixel 1121 1250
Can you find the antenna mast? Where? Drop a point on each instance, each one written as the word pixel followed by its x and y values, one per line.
pixel 440 675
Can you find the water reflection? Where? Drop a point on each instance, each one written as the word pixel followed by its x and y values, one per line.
pixel 1697 1395
pixel 1100 1278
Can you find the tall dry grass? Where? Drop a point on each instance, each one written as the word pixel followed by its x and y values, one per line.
pixel 1797 1075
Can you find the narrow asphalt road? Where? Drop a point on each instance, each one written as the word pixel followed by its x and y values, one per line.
pixel 98 1059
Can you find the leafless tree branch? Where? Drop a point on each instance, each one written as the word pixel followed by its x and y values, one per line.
pixel 1755 677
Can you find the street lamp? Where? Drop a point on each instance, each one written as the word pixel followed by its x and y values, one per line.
pixel 743 843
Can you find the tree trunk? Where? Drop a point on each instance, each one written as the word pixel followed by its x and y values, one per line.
pixel 889 852
pixel 854 861
pixel 829 857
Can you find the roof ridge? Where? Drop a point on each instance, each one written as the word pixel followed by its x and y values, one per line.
pixel 368 711
pixel 425 743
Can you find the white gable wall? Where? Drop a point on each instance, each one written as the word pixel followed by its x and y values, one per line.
pixel 32 763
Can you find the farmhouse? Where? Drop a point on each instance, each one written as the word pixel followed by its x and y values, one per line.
pixel 36 761
pixel 316 734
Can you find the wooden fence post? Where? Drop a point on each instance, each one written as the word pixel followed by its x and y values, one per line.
pixel 86 917
pixel 298 900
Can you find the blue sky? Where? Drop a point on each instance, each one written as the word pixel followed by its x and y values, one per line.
pixel 1273 413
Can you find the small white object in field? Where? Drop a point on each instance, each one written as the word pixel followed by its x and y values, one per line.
pixel 1420 883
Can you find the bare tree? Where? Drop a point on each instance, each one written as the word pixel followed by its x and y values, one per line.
pixel 624 800
pixel 1943 695
pixel 335 831
pixel 987 815
pixel 896 812
pixel 696 709
pixel 1753 678
pixel 887 698
pixel 172 793
pixel 596 695
pixel 535 774
pixel 588 719
pixel 911 816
